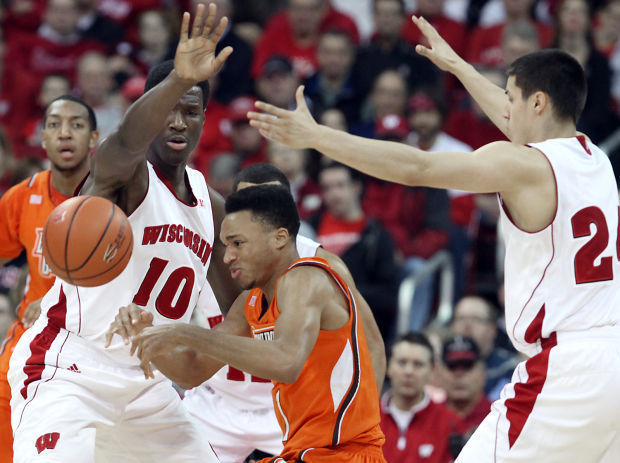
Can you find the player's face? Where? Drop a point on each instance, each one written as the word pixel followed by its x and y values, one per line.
pixel 181 132
pixel 409 369
pixel 66 136
pixel 248 249
pixel 516 113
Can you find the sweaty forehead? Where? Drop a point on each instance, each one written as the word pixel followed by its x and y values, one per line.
pixel 67 108
pixel 193 96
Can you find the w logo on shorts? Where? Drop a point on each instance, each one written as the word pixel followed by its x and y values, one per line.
pixel 47 441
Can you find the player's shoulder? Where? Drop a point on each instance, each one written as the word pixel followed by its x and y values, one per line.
pixel 36 184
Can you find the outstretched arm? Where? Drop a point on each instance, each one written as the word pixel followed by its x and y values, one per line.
pixel 121 156
pixel 491 98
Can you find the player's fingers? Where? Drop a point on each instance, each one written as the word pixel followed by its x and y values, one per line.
pixel 197 26
pixel 219 30
pixel 301 100
pixel 124 322
pixel 222 56
pixel 210 21
pixel 183 35
pixel 108 337
pixel 422 50
pixel 271 109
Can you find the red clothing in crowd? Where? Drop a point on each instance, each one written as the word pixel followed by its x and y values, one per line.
pixel 476 132
pixel 479 413
pixel 404 212
pixel 277 39
pixel 337 235
pixel 452 31
pixel 214 138
pixel 17 98
pixel 427 438
pixel 485 45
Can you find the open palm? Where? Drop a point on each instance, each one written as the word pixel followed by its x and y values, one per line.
pixel 195 57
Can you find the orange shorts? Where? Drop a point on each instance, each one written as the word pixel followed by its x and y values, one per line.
pixel 349 453
pixel 6 433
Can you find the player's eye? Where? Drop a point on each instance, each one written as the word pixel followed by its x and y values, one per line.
pixel 237 243
pixel 52 124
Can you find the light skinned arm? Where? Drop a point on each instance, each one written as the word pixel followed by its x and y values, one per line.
pixel 376 346
pixel 120 157
pixel 491 98
pixel 280 359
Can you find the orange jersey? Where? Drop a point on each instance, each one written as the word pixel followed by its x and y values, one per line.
pixel 334 403
pixel 24 208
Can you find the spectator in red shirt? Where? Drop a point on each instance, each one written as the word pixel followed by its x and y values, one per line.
pixel 247 143
pixel 485 45
pixel 465 378
pixel 94 25
pixel 519 38
pixel 294 33
pixel 417 430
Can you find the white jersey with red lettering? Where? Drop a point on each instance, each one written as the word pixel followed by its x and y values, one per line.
pixel 566 277
pixel 168 268
pixel 235 409
pixel 563 312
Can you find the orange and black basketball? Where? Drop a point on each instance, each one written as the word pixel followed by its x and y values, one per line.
pixel 87 241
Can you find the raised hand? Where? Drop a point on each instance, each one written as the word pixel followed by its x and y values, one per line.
pixel 296 129
pixel 195 58
pixel 440 53
pixel 129 322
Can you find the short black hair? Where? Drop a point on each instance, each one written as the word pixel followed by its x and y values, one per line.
pixel 259 173
pixel 161 71
pixel 92 119
pixel 555 73
pixel 414 337
pixel 270 204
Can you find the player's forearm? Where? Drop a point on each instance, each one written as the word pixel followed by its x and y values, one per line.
pixel 396 162
pixel 491 98
pixel 265 359
pixel 146 117
pixel 186 367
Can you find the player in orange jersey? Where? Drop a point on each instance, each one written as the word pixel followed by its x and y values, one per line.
pixel 68 136
pixel 306 335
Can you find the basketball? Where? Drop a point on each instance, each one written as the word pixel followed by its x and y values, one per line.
pixel 87 241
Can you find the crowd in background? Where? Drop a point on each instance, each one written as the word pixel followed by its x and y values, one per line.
pixel 361 73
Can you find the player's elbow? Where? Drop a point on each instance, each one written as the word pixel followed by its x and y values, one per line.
pixel 289 373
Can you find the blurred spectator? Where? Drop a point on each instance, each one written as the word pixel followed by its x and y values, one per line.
pixel 7 314
pixel 277 82
pixel 156 42
pixel 417 217
pixel 56 47
pixel 389 96
pixel 247 143
pixel 387 50
pixel 519 38
pixel 469 123
pixel 22 15
pixel 485 45
pixel 125 12
pixel 494 12
pixel 94 83
pixel 361 12
pixel 417 430
pixel 53 86
pixel 294 33
pixel 7 161
pixel 234 77
pixel 573 35
pixel 427 114
pixel 434 12
pixel 132 89
pixel 465 378
pixel 332 86
pixel 607 28
pixel 94 25
pixel 221 173
pixel 293 163
pixel 361 241
pixel 333 118
pixel 474 316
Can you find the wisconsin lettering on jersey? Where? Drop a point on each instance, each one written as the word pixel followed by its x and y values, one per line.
pixel 177 233
pixel 47 441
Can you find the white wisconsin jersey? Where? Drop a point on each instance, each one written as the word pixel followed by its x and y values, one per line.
pixel 243 390
pixel 168 268
pixel 566 277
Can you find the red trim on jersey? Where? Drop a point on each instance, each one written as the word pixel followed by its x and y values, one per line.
pixel 514 327
pixel 166 182
pixel 519 408
pixel 555 213
pixel 584 143
pixel 40 345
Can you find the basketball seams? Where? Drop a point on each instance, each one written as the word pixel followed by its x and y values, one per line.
pixel 95 247
pixel 66 266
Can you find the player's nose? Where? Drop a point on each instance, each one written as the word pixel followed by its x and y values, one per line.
pixel 177 122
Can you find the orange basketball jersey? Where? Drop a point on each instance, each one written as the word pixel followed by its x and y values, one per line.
pixel 334 403
pixel 23 211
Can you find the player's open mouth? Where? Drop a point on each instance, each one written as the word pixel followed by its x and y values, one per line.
pixel 177 143
pixel 66 152
pixel 234 273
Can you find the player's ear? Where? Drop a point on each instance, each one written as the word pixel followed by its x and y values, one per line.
pixel 94 139
pixel 540 101
pixel 281 237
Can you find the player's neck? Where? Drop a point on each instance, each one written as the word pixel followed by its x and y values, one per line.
pixel 550 129
pixel 280 267
pixel 65 182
